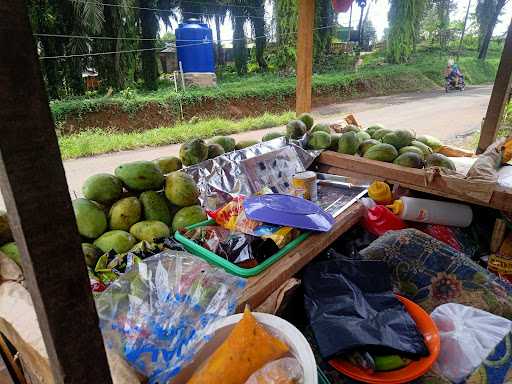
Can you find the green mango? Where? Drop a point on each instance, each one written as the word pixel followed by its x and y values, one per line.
pixel 149 230
pixel 91 254
pixel 12 252
pixel 168 164
pixel 226 142
pixel 90 218
pixel 140 175
pixel 245 143
pixel 155 207
pixel 124 213
pixel 5 229
pixel 188 216
pixel 103 188
pixel 215 150
pixel 117 240
pixel 181 189
pixel 307 119
pixel 272 135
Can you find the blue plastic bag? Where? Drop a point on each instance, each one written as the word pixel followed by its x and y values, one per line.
pixel 157 314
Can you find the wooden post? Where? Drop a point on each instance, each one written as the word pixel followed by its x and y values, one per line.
pixel 499 97
pixel 34 187
pixel 305 55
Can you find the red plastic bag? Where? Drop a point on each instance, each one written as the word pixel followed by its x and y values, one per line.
pixel 442 233
pixel 379 219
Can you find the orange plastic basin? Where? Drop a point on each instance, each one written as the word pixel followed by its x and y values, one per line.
pixel 416 369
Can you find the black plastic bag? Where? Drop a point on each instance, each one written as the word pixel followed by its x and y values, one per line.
pixel 351 306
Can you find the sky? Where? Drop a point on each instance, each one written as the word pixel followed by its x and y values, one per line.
pixel 379 17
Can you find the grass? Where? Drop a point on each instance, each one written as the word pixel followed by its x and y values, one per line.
pixel 424 71
pixel 98 141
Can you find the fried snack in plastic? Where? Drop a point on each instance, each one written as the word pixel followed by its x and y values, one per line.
pixel 247 348
pixel 283 371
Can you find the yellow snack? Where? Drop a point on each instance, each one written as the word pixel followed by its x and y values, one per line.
pixel 247 348
pixel 380 192
pixel 507 151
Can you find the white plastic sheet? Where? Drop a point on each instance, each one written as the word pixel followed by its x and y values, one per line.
pixel 468 336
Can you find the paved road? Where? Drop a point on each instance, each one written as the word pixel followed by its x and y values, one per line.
pixel 434 112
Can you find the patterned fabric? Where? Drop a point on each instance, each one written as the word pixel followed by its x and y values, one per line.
pixel 497 368
pixel 430 273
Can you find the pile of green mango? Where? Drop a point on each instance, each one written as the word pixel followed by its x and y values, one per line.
pixel 141 202
pixel 400 147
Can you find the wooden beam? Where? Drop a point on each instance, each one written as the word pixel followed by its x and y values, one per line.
pixel 305 55
pixel 347 165
pixel 499 97
pixel 36 194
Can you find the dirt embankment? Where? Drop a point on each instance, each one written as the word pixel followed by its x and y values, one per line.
pixel 153 115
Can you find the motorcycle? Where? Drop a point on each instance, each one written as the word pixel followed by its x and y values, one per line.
pixel 452 84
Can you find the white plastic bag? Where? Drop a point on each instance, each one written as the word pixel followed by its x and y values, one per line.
pixel 468 336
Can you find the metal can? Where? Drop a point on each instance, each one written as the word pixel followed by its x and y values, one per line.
pixel 304 184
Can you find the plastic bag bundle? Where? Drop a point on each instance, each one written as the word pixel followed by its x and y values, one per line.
pixel 157 314
pixel 282 371
pixel 468 336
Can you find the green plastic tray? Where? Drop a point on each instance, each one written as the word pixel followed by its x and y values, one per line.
pixel 211 257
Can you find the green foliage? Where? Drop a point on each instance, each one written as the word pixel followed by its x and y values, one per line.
pixel 286 15
pixel 404 18
pixel 99 141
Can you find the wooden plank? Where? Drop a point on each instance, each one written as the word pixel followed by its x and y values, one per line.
pixel 346 165
pixel 262 285
pixel 36 194
pixel 499 97
pixel 305 55
pixel 11 362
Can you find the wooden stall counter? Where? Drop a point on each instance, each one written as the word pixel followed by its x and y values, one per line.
pixel 416 179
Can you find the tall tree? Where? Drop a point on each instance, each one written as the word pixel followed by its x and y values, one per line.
pixel 239 40
pixel 286 20
pixel 484 13
pixel 256 12
pixel 404 16
pixel 149 30
pixel 442 9
pixel 325 18
pixel 484 46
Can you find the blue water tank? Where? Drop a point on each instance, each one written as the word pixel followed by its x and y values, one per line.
pixel 194 44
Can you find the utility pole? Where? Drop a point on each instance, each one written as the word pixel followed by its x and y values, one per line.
pixel 350 23
pixel 463 30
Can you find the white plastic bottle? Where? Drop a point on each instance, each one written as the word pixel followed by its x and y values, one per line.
pixel 432 211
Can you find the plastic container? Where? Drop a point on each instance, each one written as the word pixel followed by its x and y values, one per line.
pixel 380 192
pixel 379 219
pixel 288 211
pixel 416 369
pixel 299 347
pixel 432 211
pixel 194 45
pixel 219 261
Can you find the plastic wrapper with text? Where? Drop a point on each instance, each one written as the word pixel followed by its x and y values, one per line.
pixel 157 314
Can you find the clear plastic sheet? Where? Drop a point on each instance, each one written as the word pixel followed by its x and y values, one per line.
pixel 468 336
pixel 157 314
pixel 282 371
